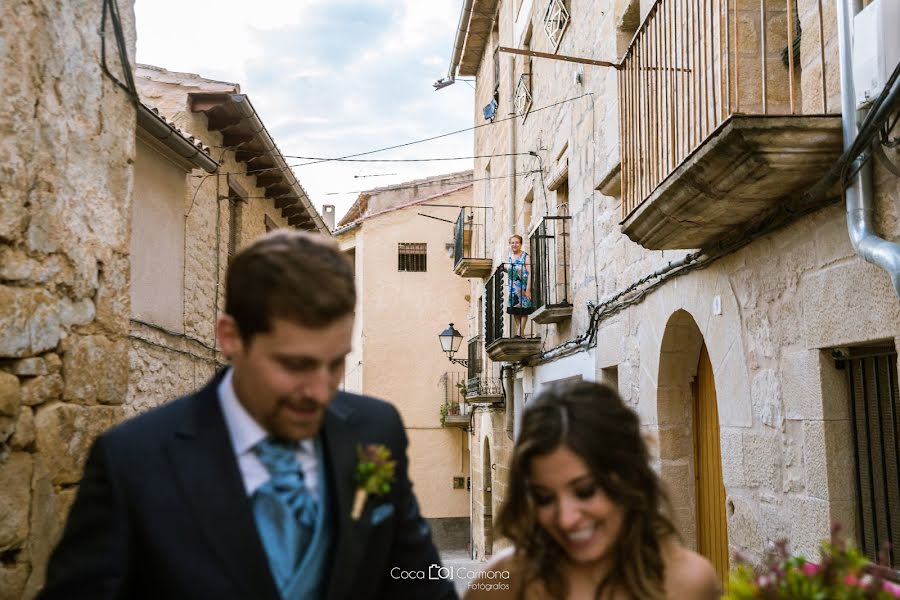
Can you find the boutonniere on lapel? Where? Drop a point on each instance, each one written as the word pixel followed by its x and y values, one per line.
pixel 374 474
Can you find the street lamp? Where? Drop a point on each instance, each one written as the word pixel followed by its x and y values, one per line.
pixel 450 340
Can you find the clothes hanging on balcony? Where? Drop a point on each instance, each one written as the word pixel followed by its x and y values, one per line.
pixel 517 283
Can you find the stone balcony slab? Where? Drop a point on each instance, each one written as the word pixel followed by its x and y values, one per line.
pixel 473 267
pixel 555 313
pixel 513 349
pixel 735 179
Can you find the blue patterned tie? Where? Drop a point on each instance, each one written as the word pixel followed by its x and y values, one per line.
pixel 285 511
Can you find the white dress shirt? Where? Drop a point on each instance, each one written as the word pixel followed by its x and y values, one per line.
pixel 245 433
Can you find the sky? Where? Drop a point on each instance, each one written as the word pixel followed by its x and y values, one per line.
pixel 328 78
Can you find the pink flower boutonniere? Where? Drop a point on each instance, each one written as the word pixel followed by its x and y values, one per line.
pixel 374 474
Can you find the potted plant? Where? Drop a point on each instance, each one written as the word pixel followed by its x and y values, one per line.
pixel 842 573
pixel 445 409
pixel 453 409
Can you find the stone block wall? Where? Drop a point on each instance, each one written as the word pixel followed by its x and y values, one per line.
pixel 67 138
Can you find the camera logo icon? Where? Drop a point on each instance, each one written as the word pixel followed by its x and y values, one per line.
pixel 439 572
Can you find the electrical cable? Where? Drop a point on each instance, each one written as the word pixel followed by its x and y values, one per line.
pixel 410 186
pixel 428 139
pixel 112 8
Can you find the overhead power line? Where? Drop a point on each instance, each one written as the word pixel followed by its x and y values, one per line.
pixel 316 161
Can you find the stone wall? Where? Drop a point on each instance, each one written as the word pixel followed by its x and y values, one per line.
pixel 67 138
pixel 165 365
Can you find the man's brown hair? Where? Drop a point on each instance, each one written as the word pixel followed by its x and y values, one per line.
pixel 292 275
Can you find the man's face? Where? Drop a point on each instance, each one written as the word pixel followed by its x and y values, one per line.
pixel 285 378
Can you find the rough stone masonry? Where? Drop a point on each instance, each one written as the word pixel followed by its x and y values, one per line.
pixel 66 152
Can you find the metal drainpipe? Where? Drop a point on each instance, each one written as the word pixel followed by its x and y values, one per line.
pixel 511 205
pixel 860 200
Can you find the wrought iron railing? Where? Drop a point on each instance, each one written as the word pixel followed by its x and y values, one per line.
pixel 470 235
pixel 454 386
pixel 498 323
pixel 483 376
pixel 695 63
pixel 551 260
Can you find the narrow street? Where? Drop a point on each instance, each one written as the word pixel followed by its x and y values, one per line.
pixel 462 568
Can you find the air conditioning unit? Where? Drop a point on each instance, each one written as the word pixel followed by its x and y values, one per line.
pixel 876 48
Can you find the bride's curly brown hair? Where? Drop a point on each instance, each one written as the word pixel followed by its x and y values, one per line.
pixel 592 421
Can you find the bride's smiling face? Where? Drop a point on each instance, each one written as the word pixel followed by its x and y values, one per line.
pixel 572 508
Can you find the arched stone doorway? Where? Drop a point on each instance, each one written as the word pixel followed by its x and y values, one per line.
pixel 487 500
pixel 690 455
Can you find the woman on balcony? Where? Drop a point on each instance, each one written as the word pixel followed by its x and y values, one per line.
pixel 585 512
pixel 518 295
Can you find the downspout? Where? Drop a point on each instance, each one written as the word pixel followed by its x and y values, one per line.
pixel 860 200
pixel 511 206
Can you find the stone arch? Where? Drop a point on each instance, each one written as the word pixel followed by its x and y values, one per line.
pixel 707 299
pixel 487 501
pixel 679 354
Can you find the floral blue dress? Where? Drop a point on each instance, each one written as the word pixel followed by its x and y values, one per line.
pixel 517 278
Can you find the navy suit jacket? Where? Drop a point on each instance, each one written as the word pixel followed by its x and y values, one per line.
pixel 162 512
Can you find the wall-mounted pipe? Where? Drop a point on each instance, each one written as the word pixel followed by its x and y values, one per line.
pixel 860 200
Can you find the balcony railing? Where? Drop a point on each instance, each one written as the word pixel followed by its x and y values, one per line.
pixel 454 410
pixel 501 331
pixel 483 376
pixel 551 262
pixel 470 243
pixel 694 64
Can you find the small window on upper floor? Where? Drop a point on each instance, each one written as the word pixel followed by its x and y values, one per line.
pixel 556 19
pixel 412 257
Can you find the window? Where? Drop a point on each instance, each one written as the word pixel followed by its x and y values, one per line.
pixel 157 238
pixel 523 98
pixel 235 216
pixel 523 95
pixel 556 19
pixel 411 257
pixel 874 405
pixel 237 196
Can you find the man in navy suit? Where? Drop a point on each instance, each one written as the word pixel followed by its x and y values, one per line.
pixel 249 488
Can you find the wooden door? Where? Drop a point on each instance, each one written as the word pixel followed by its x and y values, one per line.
pixel 712 529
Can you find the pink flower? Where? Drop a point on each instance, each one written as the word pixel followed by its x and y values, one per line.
pixel 891 587
pixel 851 580
pixel 810 569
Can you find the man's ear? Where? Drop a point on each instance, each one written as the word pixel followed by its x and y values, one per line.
pixel 228 335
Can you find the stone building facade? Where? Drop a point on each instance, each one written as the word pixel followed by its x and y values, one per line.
pixel 67 137
pixel 405 300
pixel 92 196
pixel 173 347
pixel 779 298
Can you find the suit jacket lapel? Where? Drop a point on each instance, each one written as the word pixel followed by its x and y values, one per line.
pixel 340 440
pixel 208 474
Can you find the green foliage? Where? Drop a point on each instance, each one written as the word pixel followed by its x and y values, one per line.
pixel 843 573
pixel 445 410
pixel 375 469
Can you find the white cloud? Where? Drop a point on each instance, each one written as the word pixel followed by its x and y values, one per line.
pixel 328 77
